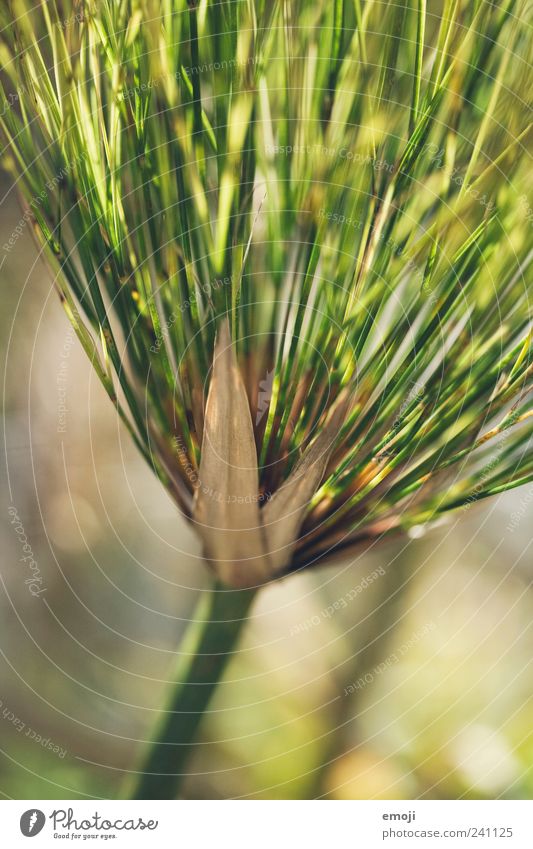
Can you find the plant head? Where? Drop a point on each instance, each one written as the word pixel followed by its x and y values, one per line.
pixel 295 241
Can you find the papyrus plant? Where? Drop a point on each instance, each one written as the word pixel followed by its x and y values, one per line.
pixel 294 239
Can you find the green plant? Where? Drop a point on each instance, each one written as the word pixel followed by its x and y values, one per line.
pixel 319 210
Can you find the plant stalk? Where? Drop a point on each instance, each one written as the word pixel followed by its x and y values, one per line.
pixel 208 645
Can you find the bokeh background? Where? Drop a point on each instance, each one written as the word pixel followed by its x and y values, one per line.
pixel 404 673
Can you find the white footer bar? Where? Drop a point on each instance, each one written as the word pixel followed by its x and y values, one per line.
pixel 269 824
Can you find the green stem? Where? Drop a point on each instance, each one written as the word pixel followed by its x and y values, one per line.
pixel 208 646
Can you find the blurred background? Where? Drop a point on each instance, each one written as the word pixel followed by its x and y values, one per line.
pixel 404 673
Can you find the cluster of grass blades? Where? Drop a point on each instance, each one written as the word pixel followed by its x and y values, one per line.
pixel 294 239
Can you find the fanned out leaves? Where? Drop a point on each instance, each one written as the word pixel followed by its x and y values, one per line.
pixel 349 185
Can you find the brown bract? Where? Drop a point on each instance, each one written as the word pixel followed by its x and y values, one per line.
pixel 246 544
